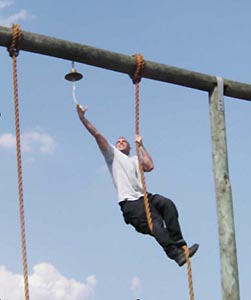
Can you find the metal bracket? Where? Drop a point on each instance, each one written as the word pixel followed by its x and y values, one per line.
pixel 220 89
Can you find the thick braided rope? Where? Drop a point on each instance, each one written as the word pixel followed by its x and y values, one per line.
pixel 189 272
pixel 136 79
pixel 13 51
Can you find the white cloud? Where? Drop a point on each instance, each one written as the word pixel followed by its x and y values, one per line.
pixel 16 17
pixel 46 142
pixel 136 286
pixel 7 141
pixel 30 142
pixel 4 4
pixel 45 283
pixel 22 15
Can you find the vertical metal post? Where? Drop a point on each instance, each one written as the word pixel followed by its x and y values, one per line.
pixel 228 255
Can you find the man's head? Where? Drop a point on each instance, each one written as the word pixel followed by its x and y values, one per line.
pixel 123 145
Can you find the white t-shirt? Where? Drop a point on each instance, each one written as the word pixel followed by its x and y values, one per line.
pixel 125 174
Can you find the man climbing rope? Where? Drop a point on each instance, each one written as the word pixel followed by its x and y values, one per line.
pixel 126 177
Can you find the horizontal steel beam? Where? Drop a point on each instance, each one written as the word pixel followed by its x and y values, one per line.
pixel 59 48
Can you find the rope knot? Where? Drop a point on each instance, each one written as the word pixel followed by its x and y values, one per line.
pixel 15 43
pixel 140 63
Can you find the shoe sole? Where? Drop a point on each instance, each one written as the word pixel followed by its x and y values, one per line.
pixel 193 250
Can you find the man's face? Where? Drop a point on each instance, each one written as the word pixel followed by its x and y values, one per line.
pixel 123 146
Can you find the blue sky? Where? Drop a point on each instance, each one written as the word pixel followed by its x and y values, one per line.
pixel 78 245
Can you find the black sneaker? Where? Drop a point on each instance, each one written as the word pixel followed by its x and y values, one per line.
pixel 181 258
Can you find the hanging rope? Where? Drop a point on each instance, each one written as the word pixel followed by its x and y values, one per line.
pixel 13 52
pixel 136 80
pixel 189 272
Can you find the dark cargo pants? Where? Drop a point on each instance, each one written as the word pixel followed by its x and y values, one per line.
pixel 166 227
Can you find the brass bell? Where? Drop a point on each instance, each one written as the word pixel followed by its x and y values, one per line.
pixel 73 75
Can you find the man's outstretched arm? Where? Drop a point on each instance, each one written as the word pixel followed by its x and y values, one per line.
pixel 100 139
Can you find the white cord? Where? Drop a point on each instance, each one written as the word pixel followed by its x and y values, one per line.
pixel 74 93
